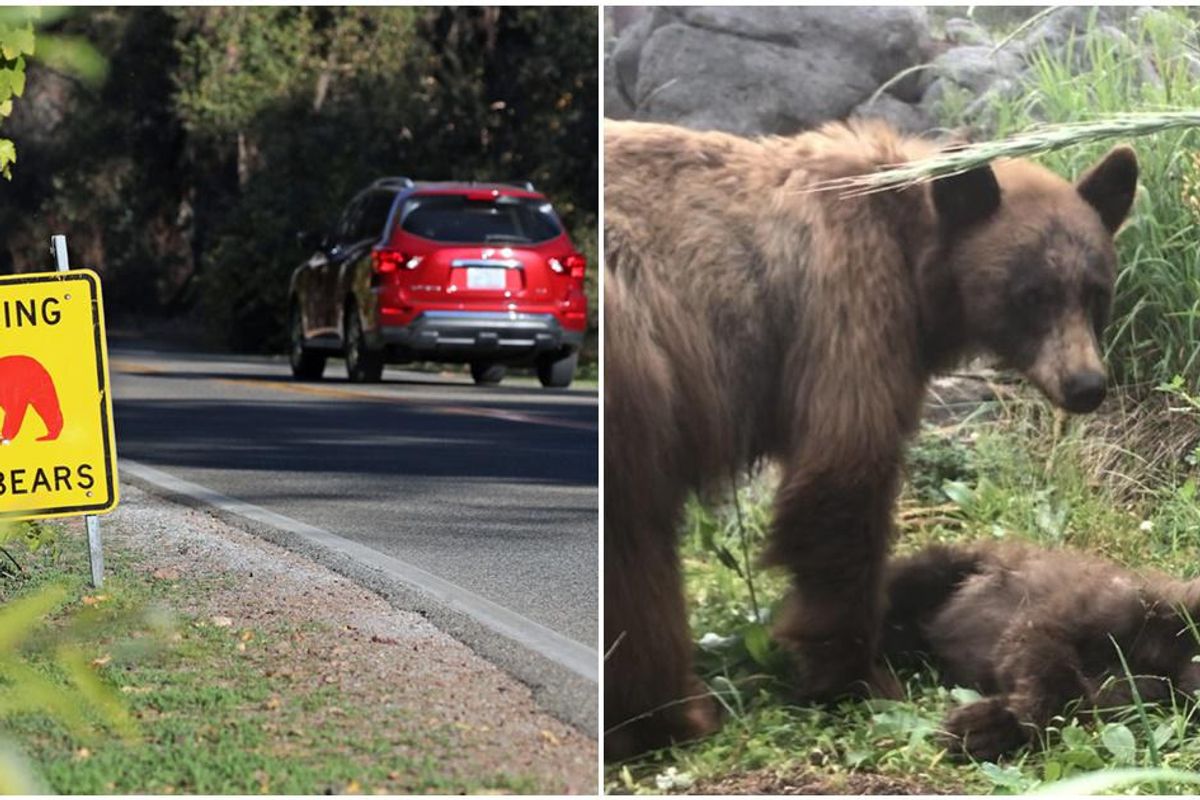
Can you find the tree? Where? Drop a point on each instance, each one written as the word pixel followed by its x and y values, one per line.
pixel 221 131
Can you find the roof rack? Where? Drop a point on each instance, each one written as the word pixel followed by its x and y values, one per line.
pixel 526 185
pixel 399 182
pixel 407 183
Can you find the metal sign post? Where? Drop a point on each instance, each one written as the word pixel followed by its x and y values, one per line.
pixel 58 245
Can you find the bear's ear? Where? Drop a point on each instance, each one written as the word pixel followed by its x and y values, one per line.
pixel 1109 187
pixel 967 198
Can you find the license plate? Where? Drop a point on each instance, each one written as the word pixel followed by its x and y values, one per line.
pixel 486 278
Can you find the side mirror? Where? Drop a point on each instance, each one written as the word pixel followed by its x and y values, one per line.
pixel 311 240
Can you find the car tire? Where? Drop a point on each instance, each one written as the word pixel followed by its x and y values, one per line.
pixel 363 365
pixel 306 365
pixel 557 373
pixel 485 373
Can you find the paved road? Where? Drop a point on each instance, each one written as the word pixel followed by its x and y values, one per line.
pixel 493 490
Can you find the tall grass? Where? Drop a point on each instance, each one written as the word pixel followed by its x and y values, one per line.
pixel 1155 332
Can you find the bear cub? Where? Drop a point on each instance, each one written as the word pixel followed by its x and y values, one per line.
pixel 1035 629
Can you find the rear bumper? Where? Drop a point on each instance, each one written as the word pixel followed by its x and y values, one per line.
pixel 500 334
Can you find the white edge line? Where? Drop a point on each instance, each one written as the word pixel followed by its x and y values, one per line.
pixel 565 652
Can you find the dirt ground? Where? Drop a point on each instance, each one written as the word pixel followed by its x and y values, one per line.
pixel 800 781
pixel 338 634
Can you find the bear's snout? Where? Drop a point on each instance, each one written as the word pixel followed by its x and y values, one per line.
pixel 1083 391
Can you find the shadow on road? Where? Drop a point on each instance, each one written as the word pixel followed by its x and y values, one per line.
pixel 355 437
pixel 464 393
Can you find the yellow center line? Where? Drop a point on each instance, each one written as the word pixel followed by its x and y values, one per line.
pixel 135 368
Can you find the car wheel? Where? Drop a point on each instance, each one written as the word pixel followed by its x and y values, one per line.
pixel 486 373
pixel 557 373
pixel 306 365
pixel 363 365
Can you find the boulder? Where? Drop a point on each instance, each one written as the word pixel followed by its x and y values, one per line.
pixel 904 117
pixel 758 70
pixel 627 52
pixel 976 67
pixel 962 31
pixel 616 105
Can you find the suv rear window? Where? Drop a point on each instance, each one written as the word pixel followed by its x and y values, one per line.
pixel 456 218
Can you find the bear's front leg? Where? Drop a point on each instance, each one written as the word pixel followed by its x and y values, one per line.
pixel 833 533
pixel 1039 671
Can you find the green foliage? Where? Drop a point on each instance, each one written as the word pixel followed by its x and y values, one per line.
pixel 33 535
pixel 46 674
pixel 935 460
pixel 223 131
pixel 16 42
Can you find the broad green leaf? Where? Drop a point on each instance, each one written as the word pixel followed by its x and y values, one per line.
pixel 1084 758
pixel 958 492
pixel 16 41
pixel 1007 777
pixel 758 644
pixel 1073 736
pixel 17 78
pixel 1163 734
pixel 1119 741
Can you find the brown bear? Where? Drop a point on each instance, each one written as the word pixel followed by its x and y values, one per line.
pixel 1036 629
pixel 24 382
pixel 747 316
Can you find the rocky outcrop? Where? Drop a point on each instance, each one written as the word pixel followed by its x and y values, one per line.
pixel 757 70
pixel 778 70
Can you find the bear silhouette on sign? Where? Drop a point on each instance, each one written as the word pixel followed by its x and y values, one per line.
pixel 24 382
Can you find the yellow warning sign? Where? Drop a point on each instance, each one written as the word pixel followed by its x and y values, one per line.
pixel 57 446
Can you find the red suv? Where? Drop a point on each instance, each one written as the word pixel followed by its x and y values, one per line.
pixel 481 273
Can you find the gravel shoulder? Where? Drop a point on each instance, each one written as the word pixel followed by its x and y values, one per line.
pixel 303 627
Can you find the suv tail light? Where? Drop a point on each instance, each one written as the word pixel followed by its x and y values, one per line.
pixel 575 264
pixel 385 261
pixel 572 264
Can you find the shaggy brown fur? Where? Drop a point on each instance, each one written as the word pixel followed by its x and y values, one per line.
pixel 747 316
pixel 1031 628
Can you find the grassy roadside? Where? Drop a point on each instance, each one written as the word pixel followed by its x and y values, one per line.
pixel 1110 485
pixel 226 708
